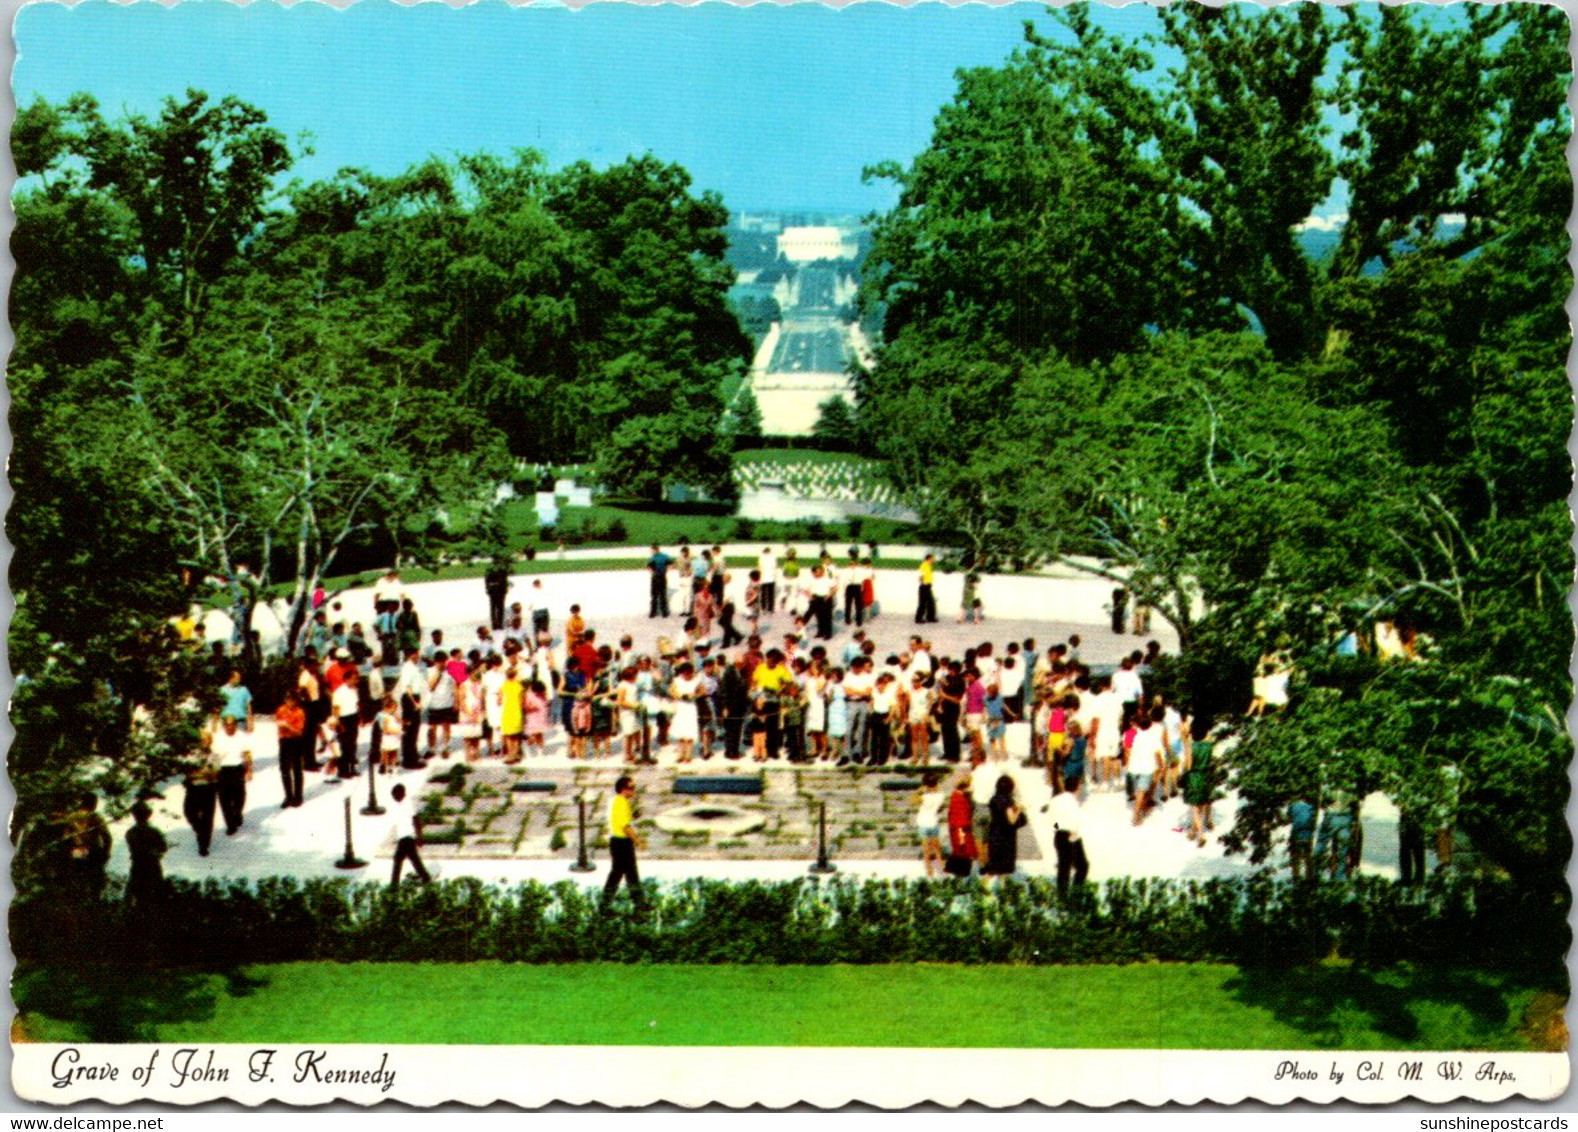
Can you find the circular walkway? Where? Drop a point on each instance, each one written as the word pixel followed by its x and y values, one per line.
pixel 307 841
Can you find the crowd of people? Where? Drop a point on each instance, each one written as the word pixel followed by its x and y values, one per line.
pixel 706 691
pixel 401 699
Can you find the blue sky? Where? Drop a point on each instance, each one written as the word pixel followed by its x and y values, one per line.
pixel 774 107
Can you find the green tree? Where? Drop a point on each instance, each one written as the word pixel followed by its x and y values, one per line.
pixel 743 422
pixel 280 440
pixel 836 422
pixel 193 182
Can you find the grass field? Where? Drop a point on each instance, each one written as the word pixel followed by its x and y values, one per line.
pixel 671 526
pixel 1153 1006
pixel 790 455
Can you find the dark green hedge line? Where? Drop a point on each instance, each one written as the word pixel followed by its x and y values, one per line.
pixel 1260 922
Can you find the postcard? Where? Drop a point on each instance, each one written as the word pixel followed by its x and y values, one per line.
pixel 639 554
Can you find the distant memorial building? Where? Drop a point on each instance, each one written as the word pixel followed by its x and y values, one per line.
pixel 805 358
pixel 808 245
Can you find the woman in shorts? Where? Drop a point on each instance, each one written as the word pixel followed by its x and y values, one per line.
pixel 928 823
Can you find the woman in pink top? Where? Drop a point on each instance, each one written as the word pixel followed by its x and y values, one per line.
pixel 535 703
pixel 975 715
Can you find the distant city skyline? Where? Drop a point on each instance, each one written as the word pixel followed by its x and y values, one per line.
pixel 776 108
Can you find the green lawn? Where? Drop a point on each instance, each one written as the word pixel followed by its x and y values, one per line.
pixel 670 526
pixel 1166 1006
pixel 799 456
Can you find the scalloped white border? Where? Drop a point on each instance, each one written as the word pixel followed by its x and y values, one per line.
pixel 780 1077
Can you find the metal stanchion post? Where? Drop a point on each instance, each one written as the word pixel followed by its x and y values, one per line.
pixel 823 865
pixel 350 860
pixel 372 809
pixel 583 862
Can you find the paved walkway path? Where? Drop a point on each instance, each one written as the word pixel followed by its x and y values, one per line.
pixel 307 841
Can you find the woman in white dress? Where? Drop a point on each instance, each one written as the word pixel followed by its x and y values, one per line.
pixel 684 725
pixel 627 698
pixel 816 710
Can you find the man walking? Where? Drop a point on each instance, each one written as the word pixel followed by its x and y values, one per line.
pixel 233 756
pixel 622 842
pixel 1067 840
pixel 658 564
pixel 408 836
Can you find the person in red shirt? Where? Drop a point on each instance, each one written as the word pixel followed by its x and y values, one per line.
pixel 962 848
pixel 291 721
pixel 587 653
pixel 339 670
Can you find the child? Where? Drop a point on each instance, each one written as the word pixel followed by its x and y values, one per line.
pixel 386 736
pixel 997 714
pixel 534 701
pixel 757 727
pixel 1057 731
pixel 329 745
pixel 1073 768
pixel 928 823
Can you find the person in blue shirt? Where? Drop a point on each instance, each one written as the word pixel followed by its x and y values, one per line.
pixel 658 564
pixel 237 704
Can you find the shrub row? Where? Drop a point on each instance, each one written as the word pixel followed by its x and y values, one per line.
pixel 1260 921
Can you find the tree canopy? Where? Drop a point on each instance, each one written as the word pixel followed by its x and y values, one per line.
pixel 215 368
pixel 1107 340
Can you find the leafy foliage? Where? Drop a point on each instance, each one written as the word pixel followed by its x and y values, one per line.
pixel 1272 450
pixel 1260 922
pixel 212 373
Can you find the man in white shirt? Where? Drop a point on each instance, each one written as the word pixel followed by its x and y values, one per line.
pixel 1068 840
pixel 346 703
pixel 822 587
pixel 1147 762
pixel 407 834
pixel 539 607
pixel 1009 686
pixel 859 683
pixel 986 665
pixel 232 754
pixel 1126 682
pixel 410 692
pixel 388 592
pixel 854 591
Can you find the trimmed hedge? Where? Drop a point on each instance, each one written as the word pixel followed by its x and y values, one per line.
pixel 1261 921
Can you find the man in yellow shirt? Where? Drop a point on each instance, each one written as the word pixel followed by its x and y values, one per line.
pixel 771 682
pixel 926 605
pixel 622 842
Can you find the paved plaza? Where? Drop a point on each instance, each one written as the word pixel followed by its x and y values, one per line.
pixel 511 833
